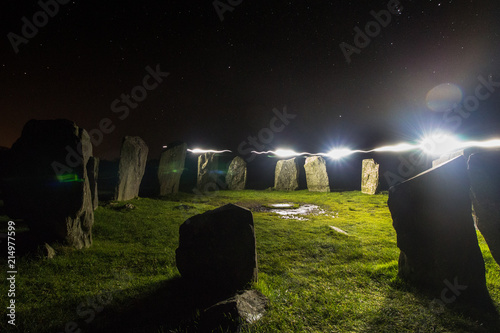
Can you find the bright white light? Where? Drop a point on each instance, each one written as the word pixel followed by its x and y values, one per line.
pixel 337 154
pixel 285 153
pixel 483 144
pixel 397 148
pixel 203 151
pixel 439 144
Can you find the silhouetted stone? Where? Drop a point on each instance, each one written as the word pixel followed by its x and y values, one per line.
pixel 484 174
pixel 133 158
pixel 171 167
pixel 435 233
pixel 236 177
pixel 228 315
pixel 217 249
pixel 208 165
pixel 46 182
pixel 369 176
pixel 93 173
pixel 316 175
pixel 286 175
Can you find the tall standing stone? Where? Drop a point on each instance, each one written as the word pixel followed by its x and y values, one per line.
pixel 171 167
pixel 484 174
pixel 286 175
pixel 236 177
pixel 208 165
pixel 316 175
pixel 431 213
pixel 369 176
pixel 93 172
pixel 133 157
pixel 45 182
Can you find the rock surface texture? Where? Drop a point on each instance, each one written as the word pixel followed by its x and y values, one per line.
pixel 369 176
pixel 217 249
pixel 435 233
pixel 208 165
pixel 236 177
pixel 45 182
pixel 171 167
pixel 484 174
pixel 133 157
pixel 286 175
pixel 316 175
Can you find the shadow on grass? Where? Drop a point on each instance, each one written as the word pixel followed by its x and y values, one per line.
pixel 172 306
pixel 424 315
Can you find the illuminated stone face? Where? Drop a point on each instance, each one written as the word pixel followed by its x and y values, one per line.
pixel 369 176
pixel 316 175
pixel 286 175
pixel 236 177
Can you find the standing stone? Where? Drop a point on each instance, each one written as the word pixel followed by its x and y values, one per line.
pixel 45 182
pixel 369 176
pixel 316 176
pixel 236 177
pixel 431 213
pixel 133 157
pixel 286 176
pixel 93 172
pixel 171 167
pixel 217 248
pixel 208 165
pixel 484 174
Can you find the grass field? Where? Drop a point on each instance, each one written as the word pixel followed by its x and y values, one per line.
pixel 317 279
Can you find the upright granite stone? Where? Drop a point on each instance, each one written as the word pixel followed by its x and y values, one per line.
pixel 208 165
pixel 316 176
pixel 45 182
pixel 484 174
pixel 369 176
pixel 431 213
pixel 236 177
pixel 217 249
pixel 286 176
pixel 171 166
pixel 93 173
pixel 133 157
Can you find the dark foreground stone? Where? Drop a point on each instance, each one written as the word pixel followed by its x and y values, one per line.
pixel 217 249
pixel 484 174
pixel 435 233
pixel 45 182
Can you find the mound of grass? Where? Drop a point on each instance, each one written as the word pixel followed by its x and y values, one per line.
pixel 317 279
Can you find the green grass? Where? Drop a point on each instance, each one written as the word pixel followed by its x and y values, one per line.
pixel 317 280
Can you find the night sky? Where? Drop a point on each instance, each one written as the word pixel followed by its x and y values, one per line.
pixel 225 77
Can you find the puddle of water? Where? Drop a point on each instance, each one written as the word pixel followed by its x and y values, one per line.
pixel 286 211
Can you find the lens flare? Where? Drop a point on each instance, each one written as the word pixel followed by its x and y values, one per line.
pixel 444 97
pixel 339 153
pixel 439 143
pixel 203 151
